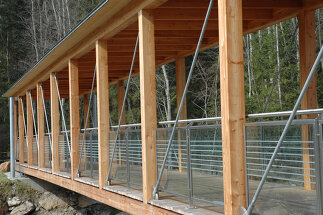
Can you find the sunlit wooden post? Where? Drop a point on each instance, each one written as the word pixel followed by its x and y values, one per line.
pixel 180 86
pixel 148 101
pixel 54 104
pixel 74 114
pixel 103 109
pixel 40 127
pixel 30 130
pixel 21 131
pixel 232 104
pixel 307 54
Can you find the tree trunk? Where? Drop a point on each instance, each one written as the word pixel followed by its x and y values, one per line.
pixel 169 111
pixel 278 68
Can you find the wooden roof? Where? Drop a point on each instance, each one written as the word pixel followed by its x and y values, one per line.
pixel 178 25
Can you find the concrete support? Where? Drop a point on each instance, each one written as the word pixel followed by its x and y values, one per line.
pixel 12 138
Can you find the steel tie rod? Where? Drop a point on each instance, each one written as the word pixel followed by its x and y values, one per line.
pixel 47 124
pixel 23 116
pixel 123 107
pixel 63 115
pixel 282 137
pixel 86 122
pixel 183 97
pixel 34 122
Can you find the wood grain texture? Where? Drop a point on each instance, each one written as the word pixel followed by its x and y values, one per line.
pixel 103 109
pixel 307 54
pixel 115 200
pixel 74 115
pixel 40 127
pixel 232 105
pixel 54 108
pixel 30 129
pixel 148 101
pixel 21 131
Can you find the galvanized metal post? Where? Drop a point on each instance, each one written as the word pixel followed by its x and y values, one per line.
pixel 12 139
pixel 246 163
pixel 91 153
pixel 317 137
pixel 127 156
pixel 189 167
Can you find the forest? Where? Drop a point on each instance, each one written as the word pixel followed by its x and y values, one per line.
pixel 29 30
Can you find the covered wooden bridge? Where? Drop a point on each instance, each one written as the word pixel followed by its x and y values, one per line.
pixel 98 53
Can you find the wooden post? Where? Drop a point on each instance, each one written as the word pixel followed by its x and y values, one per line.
pixel 103 109
pixel 180 86
pixel 74 115
pixel 54 122
pixel 232 104
pixel 41 126
pixel 21 131
pixel 307 51
pixel 15 125
pixel 30 130
pixel 123 119
pixel 148 101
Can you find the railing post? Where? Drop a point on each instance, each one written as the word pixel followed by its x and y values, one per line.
pixel 317 138
pixel 189 167
pixel 127 156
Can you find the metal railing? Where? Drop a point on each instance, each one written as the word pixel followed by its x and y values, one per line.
pixel 64 152
pixel 127 163
pixel 35 150
pixel 194 164
pixel 47 152
pixel 89 154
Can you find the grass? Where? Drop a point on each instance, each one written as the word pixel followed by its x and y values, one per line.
pixel 13 188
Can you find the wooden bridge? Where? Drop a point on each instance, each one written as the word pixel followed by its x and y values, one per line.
pixel 103 44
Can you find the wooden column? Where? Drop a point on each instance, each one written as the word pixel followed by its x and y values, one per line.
pixel 41 126
pixel 21 131
pixel 30 130
pixel 54 107
pixel 103 109
pixel 123 119
pixel 15 126
pixel 307 52
pixel 180 86
pixel 147 101
pixel 74 115
pixel 232 104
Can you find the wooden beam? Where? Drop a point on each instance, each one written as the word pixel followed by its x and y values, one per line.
pixel 21 131
pixel 103 109
pixel 199 14
pixel 250 4
pixel 54 107
pixel 232 105
pixel 180 86
pixel 148 101
pixel 121 202
pixel 74 115
pixel 40 127
pixel 307 52
pixel 30 130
